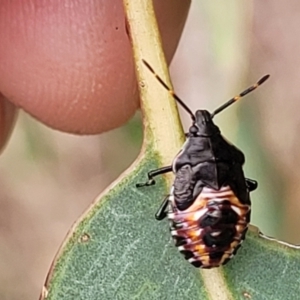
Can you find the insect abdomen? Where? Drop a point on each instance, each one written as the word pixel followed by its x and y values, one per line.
pixel 209 232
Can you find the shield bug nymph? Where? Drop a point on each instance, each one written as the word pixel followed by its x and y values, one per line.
pixel 209 204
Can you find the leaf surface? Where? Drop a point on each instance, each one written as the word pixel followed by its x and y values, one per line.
pixel 119 251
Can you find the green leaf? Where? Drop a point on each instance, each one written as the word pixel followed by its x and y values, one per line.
pixel 264 269
pixel 117 250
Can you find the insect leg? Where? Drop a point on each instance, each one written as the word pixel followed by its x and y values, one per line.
pixel 251 184
pixel 154 173
pixel 162 210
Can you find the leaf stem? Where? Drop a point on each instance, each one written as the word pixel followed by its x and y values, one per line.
pixel 162 126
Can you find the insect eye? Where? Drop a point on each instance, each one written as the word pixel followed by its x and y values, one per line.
pixel 193 129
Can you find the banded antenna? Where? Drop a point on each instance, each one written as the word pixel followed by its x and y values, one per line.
pixel 183 105
pixel 219 109
pixel 239 96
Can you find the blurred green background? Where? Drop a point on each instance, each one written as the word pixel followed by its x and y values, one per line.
pixel 48 178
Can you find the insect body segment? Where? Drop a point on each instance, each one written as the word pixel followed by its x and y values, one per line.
pixel 209 204
pixel 209 232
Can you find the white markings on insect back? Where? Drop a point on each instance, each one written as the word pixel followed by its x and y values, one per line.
pixel 194 215
pixel 210 193
pixel 237 210
pixel 213 204
pixel 215 233
pixel 174 232
pixel 198 214
pixel 171 198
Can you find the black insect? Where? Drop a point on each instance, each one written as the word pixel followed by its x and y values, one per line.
pixel 209 204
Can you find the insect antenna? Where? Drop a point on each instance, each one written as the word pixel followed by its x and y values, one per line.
pixel 242 94
pixel 184 106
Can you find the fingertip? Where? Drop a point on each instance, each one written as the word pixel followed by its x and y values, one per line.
pixel 71 67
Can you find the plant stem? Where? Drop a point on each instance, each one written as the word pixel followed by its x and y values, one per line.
pixel 162 126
